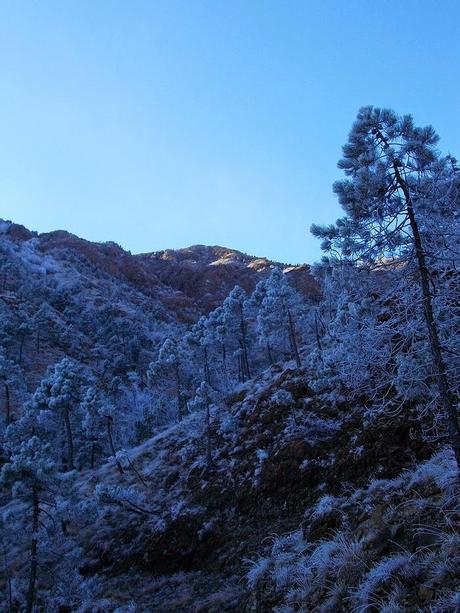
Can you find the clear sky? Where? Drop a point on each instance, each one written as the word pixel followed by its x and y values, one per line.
pixel 165 123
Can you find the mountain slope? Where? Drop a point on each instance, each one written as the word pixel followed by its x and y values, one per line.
pixel 96 293
pixel 296 483
pixel 197 485
pixel 207 274
pixel 187 281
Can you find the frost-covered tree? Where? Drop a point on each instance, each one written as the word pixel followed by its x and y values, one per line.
pixel 353 352
pixel 5 271
pixel 99 418
pixel 7 329
pixel 254 306
pixel 42 323
pixel 138 412
pixel 24 330
pixel 168 370
pixel 11 378
pixel 202 401
pixel 92 408
pixel 58 398
pixel 398 196
pixel 42 559
pixel 109 414
pixel 235 323
pixel 278 308
pixel 200 337
pixel 30 475
pixel 216 343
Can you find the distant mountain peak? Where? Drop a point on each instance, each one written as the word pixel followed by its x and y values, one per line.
pixel 188 281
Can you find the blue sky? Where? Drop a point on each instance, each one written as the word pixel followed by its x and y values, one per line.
pixel 168 123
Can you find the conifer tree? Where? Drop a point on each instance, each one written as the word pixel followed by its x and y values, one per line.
pixel 93 423
pixel 397 191
pixel 30 474
pixel 10 378
pixel 200 337
pixel 236 328
pixel 279 304
pixel 169 366
pixel 254 305
pixel 59 396
pixel 215 337
pixel 202 401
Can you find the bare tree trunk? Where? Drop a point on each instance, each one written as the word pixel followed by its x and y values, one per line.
pixel 224 358
pixel 92 455
pixel 69 437
pixel 207 374
pixel 8 581
pixel 136 472
pixel 21 348
pixel 7 404
pixel 317 334
pixel 112 446
pixel 269 353
pixel 244 345
pixel 293 341
pixel 224 363
pixel 33 554
pixel 179 391
pixel 241 377
pixel 208 434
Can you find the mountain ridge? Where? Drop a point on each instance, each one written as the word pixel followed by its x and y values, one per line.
pixel 203 275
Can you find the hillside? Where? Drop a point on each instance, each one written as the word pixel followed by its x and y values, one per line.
pixel 308 505
pixel 207 274
pixel 186 282
pixel 204 431
pixel 61 284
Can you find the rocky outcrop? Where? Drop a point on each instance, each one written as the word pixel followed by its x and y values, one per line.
pixel 207 274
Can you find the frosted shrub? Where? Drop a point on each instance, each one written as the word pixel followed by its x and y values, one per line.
pixel 449 602
pixel 380 575
pixel 325 505
pixel 440 469
pixel 257 572
pixel 282 398
pixel 298 570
